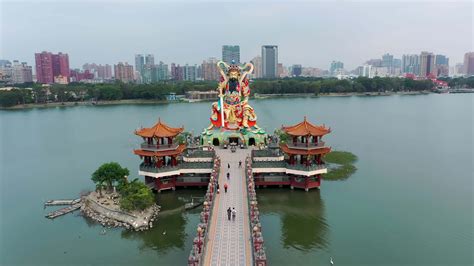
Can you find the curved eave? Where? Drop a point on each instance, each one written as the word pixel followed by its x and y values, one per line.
pixel 178 150
pixel 287 150
pixel 159 130
pixel 305 128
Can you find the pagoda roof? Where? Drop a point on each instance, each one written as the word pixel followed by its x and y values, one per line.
pixel 177 151
pixel 305 128
pixel 160 130
pixel 287 150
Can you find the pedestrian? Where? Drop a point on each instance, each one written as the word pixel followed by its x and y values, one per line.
pixel 240 164
pixel 228 165
pixel 229 212
pixel 228 175
pixel 225 187
pixel 234 213
pixel 217 190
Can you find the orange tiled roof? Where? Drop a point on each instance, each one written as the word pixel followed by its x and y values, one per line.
pixel 178 150
pixel 287 150
pixel 305 128
pixel 160 130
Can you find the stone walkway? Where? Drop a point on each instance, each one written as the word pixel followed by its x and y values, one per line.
pixel 229 241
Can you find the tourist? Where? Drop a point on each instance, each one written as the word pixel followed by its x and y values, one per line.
pixel 240 164
pixel 228 165
pixel 225 187
pixel 228 175
pixel 234 213
pixel 229 212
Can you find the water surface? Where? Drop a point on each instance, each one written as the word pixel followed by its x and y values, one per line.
pixel 409 203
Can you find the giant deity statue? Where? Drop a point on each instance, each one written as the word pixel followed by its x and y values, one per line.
pixel 233 120
pixel 232 111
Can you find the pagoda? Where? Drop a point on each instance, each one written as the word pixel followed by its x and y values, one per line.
pixel 296 162
pixel 305 152
pixel 164 164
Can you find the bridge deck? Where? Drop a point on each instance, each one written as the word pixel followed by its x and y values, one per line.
pixel 229 241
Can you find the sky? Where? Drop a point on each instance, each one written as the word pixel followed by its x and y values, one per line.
pixel 311 33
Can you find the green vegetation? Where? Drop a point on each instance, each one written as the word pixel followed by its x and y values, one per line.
pixel 282 136
pixel 345 168
pixel 340 157
pixel 109 175
pixel 75 92
pixel 135 196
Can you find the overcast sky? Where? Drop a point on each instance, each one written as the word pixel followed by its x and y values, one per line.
pixel 307 33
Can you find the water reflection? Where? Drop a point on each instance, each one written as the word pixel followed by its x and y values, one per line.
pixel 303 224
pixel 170 228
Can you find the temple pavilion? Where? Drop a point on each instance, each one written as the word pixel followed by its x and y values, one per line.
pixel 298 161
pixel 165 164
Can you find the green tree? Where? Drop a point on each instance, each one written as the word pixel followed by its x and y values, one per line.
pixel 110 174
pixel 135 196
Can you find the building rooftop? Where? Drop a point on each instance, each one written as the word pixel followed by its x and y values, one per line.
pixel 305 128
pixel 160 130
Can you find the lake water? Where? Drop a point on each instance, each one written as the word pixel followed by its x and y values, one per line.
pixel 409 203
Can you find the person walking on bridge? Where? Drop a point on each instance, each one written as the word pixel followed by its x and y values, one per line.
pixel 240 164
pixel 229 212
pixel 234 213
pixel 225 187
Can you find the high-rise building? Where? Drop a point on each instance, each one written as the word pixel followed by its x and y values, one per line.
pixel 61 65
pixel 209 69
pixel 124 72
pixel 336 66
pixel 190 72
pixel 149 59
pixel 162 72
pixel 231 53
pixel 257 67
pixel 469 64
pixel 177 72
pixel 49 66
pixel 427 64
pixel 21 72
pixel 411 64
pixel 139 63
pixel 296 70
pixel 387 60
pixel 375 62
pixel 442 65
pixel 269 61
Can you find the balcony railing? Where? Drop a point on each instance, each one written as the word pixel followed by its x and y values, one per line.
pixel 282 164
pixel 269 164
pixel 303 167
pixel 154 169
pixel 181 165
pixel 161 147
pixel 265 153
pixel 196 165
pixel 305 146
pixel 201 154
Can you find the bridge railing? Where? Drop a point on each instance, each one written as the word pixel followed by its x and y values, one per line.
pixel 258 250
pixel 198 251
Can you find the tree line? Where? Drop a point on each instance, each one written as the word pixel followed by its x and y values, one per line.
pixel 75 92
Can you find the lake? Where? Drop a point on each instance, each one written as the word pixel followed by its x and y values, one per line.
pixel 409 203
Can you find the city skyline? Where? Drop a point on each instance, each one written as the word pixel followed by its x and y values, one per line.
pixel 327 40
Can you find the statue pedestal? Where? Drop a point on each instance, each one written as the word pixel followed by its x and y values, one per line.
pixel 223 136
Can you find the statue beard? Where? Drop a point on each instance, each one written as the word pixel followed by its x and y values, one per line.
pixel 233 85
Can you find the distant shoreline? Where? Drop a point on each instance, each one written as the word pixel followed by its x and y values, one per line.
pixel 257 96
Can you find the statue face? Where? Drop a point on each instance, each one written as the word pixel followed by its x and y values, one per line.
pixel 233 74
